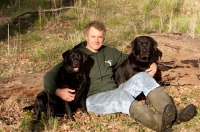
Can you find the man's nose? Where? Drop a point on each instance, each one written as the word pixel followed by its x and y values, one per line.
pixel 96 39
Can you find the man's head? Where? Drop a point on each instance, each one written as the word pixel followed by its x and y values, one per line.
pixel 95 34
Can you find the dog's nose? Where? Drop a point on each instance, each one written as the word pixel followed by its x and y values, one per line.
pixel 144 50
pixel 76 64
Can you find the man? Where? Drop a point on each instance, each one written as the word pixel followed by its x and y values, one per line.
pixel 105 97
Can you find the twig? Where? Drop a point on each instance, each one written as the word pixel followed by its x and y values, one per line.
pixel 54 10
pixel 8 40
pixel 68 7
pixel 175 47
pixel 26 13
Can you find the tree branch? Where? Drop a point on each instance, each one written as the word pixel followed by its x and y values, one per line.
pixel 54 10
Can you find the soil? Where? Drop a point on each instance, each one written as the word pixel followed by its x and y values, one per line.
pixel 180 61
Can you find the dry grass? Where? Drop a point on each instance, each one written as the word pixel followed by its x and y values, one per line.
pixel 13 118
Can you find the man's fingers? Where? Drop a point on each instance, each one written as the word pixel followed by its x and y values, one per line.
pixel 148 70
pixel 69 98
pixel 71 90
pixel 151 72
pixel 66 94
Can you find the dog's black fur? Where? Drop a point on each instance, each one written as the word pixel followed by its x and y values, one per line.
pixel 70 75
pixel 142 55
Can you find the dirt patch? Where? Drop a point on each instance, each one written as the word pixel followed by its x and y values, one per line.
pixel 180 61
pixel 26 86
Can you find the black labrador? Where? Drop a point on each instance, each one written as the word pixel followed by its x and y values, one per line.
pixel 142 56
pixel 70 75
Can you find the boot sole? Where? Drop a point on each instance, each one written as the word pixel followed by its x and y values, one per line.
pixel 188 113
pixel 168 117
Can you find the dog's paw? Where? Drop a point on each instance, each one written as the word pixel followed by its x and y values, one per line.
pixel 84 111
pixel 28 108
pixel 71 118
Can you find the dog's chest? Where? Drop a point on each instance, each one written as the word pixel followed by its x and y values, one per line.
pixel 74 80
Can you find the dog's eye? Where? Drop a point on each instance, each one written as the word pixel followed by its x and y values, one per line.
pixel 75 56
pixel 72 56
pixel 78 56
pixel 144 44
pixel 140 44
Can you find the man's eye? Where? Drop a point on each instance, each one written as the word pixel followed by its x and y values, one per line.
pixel 101 37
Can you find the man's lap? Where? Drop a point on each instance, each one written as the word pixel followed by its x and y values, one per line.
pixel 120 99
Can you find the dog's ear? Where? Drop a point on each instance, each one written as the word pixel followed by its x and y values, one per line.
pixel 154 43
pixel 133 45
pixel 85 56
pixel 64 54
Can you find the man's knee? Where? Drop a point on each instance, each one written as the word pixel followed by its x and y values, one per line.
pixel 142 74
pixel 125 96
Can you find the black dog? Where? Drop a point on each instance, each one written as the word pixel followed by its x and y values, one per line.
pixel 70 75
pixel 142 55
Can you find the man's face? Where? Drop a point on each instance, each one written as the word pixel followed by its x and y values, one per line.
pixel 94 39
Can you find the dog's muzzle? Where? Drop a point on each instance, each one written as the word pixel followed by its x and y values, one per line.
pixel 144 55
pixel 145 58
pixel 76 65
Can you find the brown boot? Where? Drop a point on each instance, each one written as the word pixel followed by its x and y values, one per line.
pixel 186 114
pixel 159 99
pixel 150 119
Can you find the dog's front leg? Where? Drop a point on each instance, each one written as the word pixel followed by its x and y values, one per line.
pixel 68 111
pixel 83 104
pixel 40 104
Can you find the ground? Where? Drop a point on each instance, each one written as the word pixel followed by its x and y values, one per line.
pixel 180 72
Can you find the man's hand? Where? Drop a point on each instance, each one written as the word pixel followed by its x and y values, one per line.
pixel 65 94
pixel 153 69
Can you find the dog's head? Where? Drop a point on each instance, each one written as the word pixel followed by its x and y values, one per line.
pixel 74 60
pixel 143 48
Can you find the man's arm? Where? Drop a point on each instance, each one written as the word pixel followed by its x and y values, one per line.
pixel 65 94
pixel 153 69
pixel 49 79
pixel 50 85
